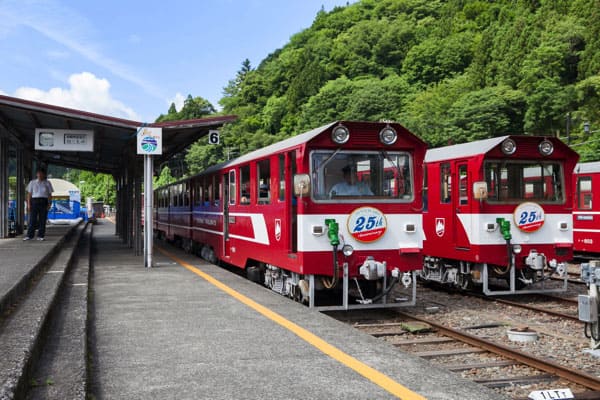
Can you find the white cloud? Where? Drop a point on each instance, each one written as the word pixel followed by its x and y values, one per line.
pixel 85 92
pixel 178 99
pixel 70 29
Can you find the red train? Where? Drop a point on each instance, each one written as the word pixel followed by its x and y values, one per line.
pixel 499 208
pixel 586 209
pixel 338 207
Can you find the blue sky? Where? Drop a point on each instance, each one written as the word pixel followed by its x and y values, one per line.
pixel 132 58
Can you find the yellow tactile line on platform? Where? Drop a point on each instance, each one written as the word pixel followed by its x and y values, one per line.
pixel 380 379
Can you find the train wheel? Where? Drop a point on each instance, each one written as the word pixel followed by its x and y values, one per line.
pixel 465 282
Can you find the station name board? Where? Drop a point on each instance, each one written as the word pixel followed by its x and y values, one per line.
pixel 64 139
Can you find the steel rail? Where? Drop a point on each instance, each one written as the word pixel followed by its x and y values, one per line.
pixel 579 377
pixel 536 308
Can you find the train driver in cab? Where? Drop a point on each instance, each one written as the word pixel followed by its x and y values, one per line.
pixel 350 186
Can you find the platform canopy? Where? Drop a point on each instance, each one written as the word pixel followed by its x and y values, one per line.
pixel 114 138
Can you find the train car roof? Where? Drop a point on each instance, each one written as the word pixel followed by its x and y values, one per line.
pixel 279 146
pixel 586 168
pixel 463 150
pixel 273 148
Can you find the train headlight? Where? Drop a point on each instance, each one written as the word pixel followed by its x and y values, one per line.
pixel 347 250
pixel 546 147
pixel 517 248
pixel 388 135
pixel 509 147
pixel 340 134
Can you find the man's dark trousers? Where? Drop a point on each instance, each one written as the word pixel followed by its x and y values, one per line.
pixel 38 216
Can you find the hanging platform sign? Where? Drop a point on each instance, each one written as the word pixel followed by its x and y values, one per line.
pixel 149 141
pixel 64 139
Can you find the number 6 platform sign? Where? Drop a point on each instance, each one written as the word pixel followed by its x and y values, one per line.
pixel 367 224
pixel 213 137
pixel 529 217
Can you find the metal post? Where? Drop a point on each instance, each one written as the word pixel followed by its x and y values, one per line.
pixel 345 287
pixel 20 195
pixel 595 326
pixel 311 288
pixel 148 199
pixel 118 206
pixel 3 187
pixel 137 212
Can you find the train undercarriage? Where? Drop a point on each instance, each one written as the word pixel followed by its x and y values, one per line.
pixel 372 289
pixel 329 294
pixel 490 278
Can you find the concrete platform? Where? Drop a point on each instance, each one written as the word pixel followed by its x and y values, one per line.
pixel 19 261
pixel 168 333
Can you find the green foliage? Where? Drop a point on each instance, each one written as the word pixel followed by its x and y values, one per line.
pixel 91 184
pixel 193 108
pixel 450 71
pixel 164 178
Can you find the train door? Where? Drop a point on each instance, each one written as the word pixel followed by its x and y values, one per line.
pixel 228 199
pixel 294 205
pixel 462 206
pixel 585 220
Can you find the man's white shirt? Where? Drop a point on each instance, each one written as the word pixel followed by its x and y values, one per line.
pixel 40 189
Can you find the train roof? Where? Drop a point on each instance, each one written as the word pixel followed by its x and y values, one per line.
pixel 273 148
pixel 286 144
pixel 463 150
pixel 589 167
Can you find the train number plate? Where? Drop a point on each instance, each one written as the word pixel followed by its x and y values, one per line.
pixel 553 394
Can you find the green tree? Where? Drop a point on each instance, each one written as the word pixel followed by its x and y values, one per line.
pixel 164 178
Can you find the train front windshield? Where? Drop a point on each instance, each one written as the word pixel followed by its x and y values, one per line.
pixel 512 182
pixel 364 176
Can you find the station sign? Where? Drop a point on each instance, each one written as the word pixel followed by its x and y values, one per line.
pixel 64 139
pixel 149 141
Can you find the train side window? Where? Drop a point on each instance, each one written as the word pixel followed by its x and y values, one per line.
pixel 217 189
pixel 198 194
pixel 186 194
pixel 445 183
pixel 208 193
pixel 463 184
pixel 245 185
pixel 281 177
pixel 232 193
pixel 584 193
pixel 263 172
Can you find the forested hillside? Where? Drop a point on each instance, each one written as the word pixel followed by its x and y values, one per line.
pixel 451 71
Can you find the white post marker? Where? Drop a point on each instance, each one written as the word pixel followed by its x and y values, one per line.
pixel 552 394
pixel 149 143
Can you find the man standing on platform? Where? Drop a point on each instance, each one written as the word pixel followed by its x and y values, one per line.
pixel 39 201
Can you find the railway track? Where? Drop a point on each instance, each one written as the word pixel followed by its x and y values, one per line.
pixel 495 365
pixel 525 305
pixel 532 307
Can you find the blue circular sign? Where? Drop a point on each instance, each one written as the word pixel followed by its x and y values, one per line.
pixel 149 144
